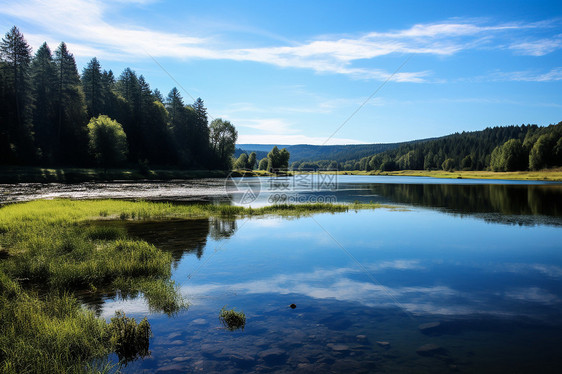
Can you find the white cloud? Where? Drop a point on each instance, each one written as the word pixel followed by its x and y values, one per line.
pixel 528 76
pixel 294 139
pixel 538 47
pixel 534 295
pixel 87 28
pixel 341 284
pixel 268 125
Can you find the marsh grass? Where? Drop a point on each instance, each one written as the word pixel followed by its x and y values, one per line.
pixel 129 338
pixel 231 319
pixel 63 247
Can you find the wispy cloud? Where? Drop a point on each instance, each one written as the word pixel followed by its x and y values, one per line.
pixel 538 47
pixel 528 76
pixel 87 28
pixel 293 139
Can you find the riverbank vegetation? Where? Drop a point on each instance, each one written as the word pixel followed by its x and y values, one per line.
pixel 46 105
pixel 54 251
pixel 553 175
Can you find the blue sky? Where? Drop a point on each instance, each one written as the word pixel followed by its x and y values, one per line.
pixel 292 72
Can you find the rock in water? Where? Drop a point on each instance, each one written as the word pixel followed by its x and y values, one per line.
pixel 273 356
pixel 430 328
pixel 384 344
pixel 431 350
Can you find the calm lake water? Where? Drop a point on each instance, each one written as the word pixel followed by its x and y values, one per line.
pixel 465 277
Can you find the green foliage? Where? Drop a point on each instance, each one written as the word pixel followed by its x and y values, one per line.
pixel 278 159
pixel 500 148
pixel 108 142
pixel 129 339
pixel 16 100
pixel 45 106
pixel 242 162
pixel 44 79
pixel 252 161
pixel 263 164
pixel 231 319
pixel 543 154
pixel 449 164
pixel 223 138
pixel 510 156
pixel 71 137
pixel 48 335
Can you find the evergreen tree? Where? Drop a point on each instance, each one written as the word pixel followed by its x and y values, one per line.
pixel 200 139
pixel 16 143
pixel 71 137
pixel 158 95
pixel 180 123
pixel 93 84
pixel 44 86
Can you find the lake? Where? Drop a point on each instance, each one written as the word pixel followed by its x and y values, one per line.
pixel 458 276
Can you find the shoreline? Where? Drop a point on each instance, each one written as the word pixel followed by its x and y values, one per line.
pixel 27 174
pixel 546 175
pixel 550 175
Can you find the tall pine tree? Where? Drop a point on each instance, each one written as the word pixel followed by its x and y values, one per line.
pixel 92 82
pixel 44 80
pixel 72 137
pixel 16 143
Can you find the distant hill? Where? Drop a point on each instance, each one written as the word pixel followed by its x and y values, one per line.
pixel 307 152
pixel 259 154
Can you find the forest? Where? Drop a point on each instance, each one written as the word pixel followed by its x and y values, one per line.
pixel 51 115
pixel 509 148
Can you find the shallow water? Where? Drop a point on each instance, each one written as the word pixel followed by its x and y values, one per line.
pixel 481 261
pixel 377 276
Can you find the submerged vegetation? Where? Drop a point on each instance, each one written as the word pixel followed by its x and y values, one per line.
pixel 54 249
pixel 231 319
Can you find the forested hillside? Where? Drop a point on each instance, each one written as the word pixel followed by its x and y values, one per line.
pixel 499 148
pixel 307 152
pixel 46 105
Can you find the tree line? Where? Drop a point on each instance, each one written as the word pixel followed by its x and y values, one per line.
pixel 50 115
pixel 276 160
pixel 509 148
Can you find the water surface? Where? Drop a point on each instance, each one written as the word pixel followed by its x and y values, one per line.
pixel 479 261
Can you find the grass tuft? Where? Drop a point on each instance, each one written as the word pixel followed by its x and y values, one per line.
pixel 231 319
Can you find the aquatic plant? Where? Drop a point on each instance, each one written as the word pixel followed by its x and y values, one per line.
pixel 231 319
pixel 128 338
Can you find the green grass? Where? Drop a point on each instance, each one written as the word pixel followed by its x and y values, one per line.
pixel 539 175
pixel 53 249
pixel 231 319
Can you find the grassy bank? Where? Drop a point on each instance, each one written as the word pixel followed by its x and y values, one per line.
pixel 13 174
pixel 540 175
pixel 53 250
pixel 554 175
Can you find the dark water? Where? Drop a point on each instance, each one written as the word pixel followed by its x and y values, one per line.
pixel 479 261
